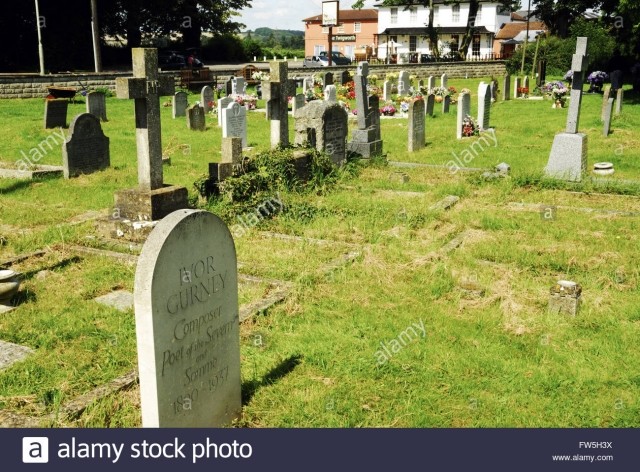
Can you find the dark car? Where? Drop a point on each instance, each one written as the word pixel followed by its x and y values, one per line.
pixel 322 60
pixel 171 60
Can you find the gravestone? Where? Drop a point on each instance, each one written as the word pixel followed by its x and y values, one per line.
pixel 187 323
pixel 431 103
pixel 331 93
pixel 431 83
pixel 568 158
pixel 617 79
pixel 345 77
pixel 386 90
pixel 541 76
pixel 374 106
pixel 365 140
pixel 196 118
pixel 55 113
pixel 228 87
pixel 153 199
pixel 206 98
pixel 464 109
pixel 276 93
pixel 180 104
pixel 222 104
pixel 238 85
pixel 605 101
pixel 606 129
pixel 234 122
pixel 87 148
pixel 231 162
pixel 494 90
pixel 307 84
pixel 446 103
pixel 517 85
pixel 327 79
pixel 416 125
pixel 619 100
pixel 525 83
pixel 324 126
pixel 444 81
pixel 404 84
pixel 97 105
pixel 506 88
pixel 298 102
pixel 484 106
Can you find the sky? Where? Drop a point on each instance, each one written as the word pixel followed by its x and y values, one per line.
pixel 286 14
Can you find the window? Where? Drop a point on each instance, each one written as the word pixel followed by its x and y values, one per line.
pixel 456 13
pixel 413 43
pixel 341 29
pixel 394 15
pixel 475 50
pixel 357 27
pixel 317 49
pixel 455 41
pixel 479 14
pixel 413 15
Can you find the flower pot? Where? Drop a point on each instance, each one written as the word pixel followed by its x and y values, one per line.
pixel 9 285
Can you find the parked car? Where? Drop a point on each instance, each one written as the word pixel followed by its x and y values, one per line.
pixel 322 60
pixel 171 60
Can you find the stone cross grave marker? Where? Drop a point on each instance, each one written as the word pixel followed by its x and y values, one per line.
pixel 87 148
pixel 568 158
pixel 153 199
pixel 605 101
pixel 187 323
pixel 416 125
pixel 365 140
pixel 331 93
pixel 464 109
pixel 606 129
pixel 97 105
pixel 180 104
pixel 619 100
pixel 206 98
pixel 238 86
pixel 55 113
pixel 234 122
pixel 484 106
pixel 404 84
pixel 431 103
pixel 276 93
pixel 506 88
pixel 222 104
pixel 196 120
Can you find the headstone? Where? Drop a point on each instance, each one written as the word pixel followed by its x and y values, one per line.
pixel 374 106
pixel 276 93
pixel 464 109
pixel 541 76
pixel 431 83
pixel 446 103
pixel 97 105
pixel 506 88
pixel 431 103
pixel 298 102
pixel 565 298
pixel 187 323
pixel 444 81
pixel 416 125
pixel 87 148
pixel 617 78
pixel 568 158
pixel 345 77
pixel 55 113
pixel 619 100
pixel 365 141
pixel 327 79
pixel 153 199
pixel 494 90
pixel 525 83
pixel 331 93
pixel 228 87
pixel 234 122
pixel 238 86
pixel 307 84
pixel 605 101
pixel 484 106
pixel 180 104
pixel 196 118
pixel 222 104
pixel 324 126
pixel 517 85
pixel 386 90
pixel 607 118
pixel 206 98
pixel 404 84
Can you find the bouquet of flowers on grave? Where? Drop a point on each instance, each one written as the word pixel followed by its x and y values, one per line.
pixel 440 93
pixel 523 92
pixel 556 90
pixel 404 102
pixel 373 78
pixel 260 76
pixel 248 101
pixel 374 90
pixel 388 109
pixel 346 91
pixel 469 127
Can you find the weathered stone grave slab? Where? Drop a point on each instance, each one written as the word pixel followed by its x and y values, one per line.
pixel 187 323
pixel 506 88
pixel 97 105
pixel 11 353
pixel 324 125
pixel 416 139
pixel 196 119
pixel 180 104
pixel 32 173
pixel 55 113
pixel 86 150
pixel 606 127
pixel 206 98
pixel 464 109
pixel 484 106
pixel 222 104
pixel 121 300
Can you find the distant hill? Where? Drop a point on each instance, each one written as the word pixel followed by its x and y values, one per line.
pixel 276 37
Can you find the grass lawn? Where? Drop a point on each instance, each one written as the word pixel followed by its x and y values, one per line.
pixel 325 356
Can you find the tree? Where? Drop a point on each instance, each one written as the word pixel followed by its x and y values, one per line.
pixel 560 15
pixel 432 31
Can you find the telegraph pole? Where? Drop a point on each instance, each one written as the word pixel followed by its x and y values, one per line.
pixel 95 31
pixel 40 49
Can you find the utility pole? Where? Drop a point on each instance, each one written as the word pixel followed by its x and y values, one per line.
pixel 526 39
pixel 95 30
pixel 40 49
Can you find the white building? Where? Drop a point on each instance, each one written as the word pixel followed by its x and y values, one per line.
pixel 402 30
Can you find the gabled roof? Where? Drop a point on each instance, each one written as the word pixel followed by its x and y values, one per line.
pixel 511 30
pixel 348 15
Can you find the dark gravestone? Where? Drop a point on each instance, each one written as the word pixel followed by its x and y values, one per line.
pixel 55 113
pixel 97 105
pixel 327 79
pixel 606 129
pixel 324 126
pixel 196 118
pixel 506 88
pixel 87 149
pixel 416 125
pixel 345 77
pixel 431 103
pixel 541 76
pixel 616 78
